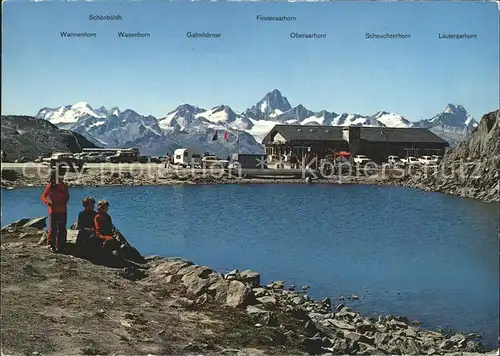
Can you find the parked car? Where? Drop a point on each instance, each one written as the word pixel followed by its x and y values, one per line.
pixel 64 159
pixel 95 157
pixel 361 160
pixel 40 158
pixel 394 161
pixel 427 161
pixel 437 159
pixel 411 161
pixel 83 156
pixel 144 159
pixel 213 161
pixel 123 157
pixel 23 159
pixel 156 159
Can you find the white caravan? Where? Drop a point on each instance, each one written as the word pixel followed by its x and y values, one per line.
pixel 186 157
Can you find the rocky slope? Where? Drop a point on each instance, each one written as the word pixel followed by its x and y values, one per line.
pixel 452 124
pixel 60 304
pixel 470 169
pixel 27 136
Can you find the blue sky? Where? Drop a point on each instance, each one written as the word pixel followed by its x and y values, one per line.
pixel 343 73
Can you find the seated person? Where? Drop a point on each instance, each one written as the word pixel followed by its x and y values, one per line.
pixel 103 227
pixel 86 217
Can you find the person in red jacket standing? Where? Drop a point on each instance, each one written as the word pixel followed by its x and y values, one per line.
pixel 56 197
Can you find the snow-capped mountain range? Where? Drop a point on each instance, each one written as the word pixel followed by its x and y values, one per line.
pixel 192 126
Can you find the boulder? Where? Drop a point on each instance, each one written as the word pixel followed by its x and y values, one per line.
pixel 340 347
pixel 250 277
pixel 259 292
pixel 276 285
pixel 446 345
pixel 218 290
pixel 268 301
pixel 298 300
pixel 410 332
pixel 365 327
pixel 473 346
pixel 170 267
pixel 10 175
pixel 310 328
pixel 261 316
pixel 356 337
pixel 457 338
pixel 342 325
pixel 313 346
pixel 365 349
pixel 382 338
pixel 39 223
pixel 199 280
pixel 126 249
pixel 299 313
pixel 232 275
pixel 187 269
pixel 72 237
pixel 238 294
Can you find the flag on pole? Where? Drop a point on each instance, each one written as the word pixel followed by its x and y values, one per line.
pixel 226 136
pixel 216 135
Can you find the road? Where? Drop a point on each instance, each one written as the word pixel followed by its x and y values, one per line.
pixel 104 166
pixel 154 167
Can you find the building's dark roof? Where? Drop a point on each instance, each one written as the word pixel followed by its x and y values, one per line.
pixel 334 133
pixel 376 134
pixel 308 133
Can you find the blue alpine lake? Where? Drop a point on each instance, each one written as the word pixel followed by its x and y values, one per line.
pixel 428 256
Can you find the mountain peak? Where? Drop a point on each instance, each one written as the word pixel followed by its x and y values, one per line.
pixel 380 113
pixel 271 105
pixel 454 118
pixel 81 104
pixel 187 109
pixel 276 97
pixel 115 111
pixel 454 109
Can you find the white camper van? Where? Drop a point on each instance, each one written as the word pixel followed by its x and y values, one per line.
pixel 186 157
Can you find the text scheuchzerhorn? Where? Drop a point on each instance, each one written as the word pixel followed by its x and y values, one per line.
pixel 457 36
pixel 203 35
pixel 372 36
pixel 105 17
pixel 78 34
pixel 307 36
pixel 276 18
pixel 134 34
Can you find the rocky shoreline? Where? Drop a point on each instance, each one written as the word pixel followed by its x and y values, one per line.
pixel 54 304
pixel 471 169
pixel 326 329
